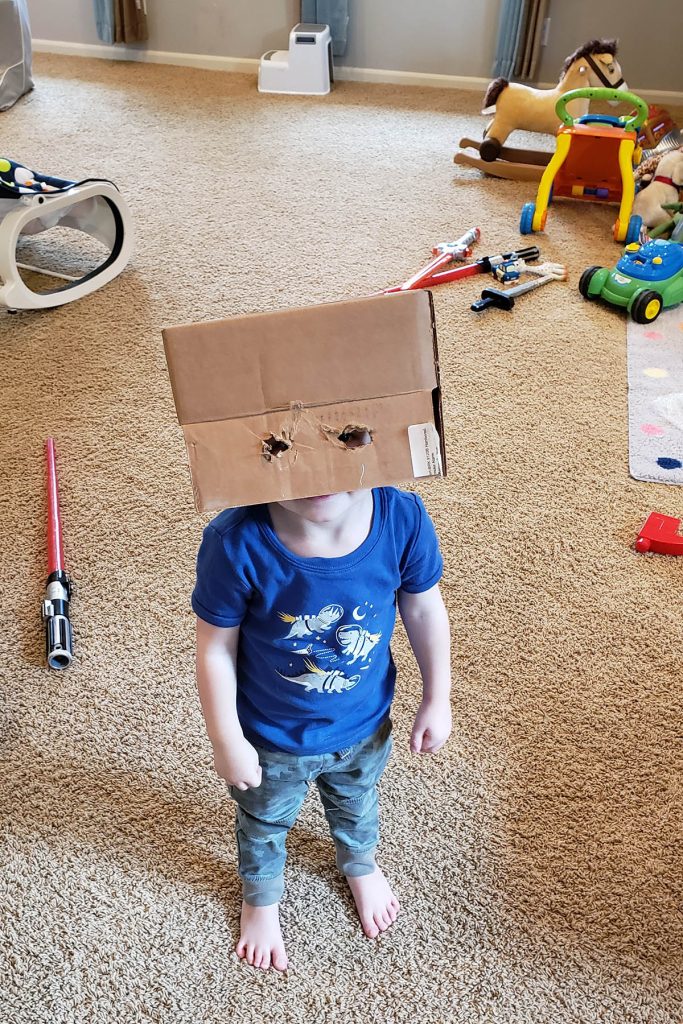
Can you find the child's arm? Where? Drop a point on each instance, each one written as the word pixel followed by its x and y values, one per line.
pixel 426 621
pixel 235 759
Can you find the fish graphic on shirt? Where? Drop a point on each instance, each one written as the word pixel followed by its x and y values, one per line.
pixel 356 642
pixel 322 680
pixel 307 625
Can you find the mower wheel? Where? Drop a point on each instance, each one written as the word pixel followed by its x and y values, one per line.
pixel 647 307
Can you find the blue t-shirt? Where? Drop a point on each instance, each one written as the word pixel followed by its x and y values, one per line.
pixel 314 668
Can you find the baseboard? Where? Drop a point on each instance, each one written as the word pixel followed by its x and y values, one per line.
pixel 342 73
pixel 249 65
pixel 189 60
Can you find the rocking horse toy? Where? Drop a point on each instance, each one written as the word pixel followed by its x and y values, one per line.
pixel 38 206
pixel 516 106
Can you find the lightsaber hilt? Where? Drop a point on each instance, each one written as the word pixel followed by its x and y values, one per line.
pixel 59 647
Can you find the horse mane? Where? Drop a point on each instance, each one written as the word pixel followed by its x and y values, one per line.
pixel 588 49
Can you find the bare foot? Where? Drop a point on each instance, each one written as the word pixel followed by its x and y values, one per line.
pixel 375 902
pixel 260 941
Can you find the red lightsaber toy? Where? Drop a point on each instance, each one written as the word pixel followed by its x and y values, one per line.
pixel 483 266
pixel 55 607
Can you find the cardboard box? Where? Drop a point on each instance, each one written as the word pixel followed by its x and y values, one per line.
pixel 334 397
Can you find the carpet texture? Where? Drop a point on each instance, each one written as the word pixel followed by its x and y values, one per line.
pixel 538 857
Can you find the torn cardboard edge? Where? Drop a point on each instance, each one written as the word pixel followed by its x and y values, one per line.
pixel 383 349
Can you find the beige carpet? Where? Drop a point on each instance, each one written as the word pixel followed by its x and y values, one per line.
pixel 538 858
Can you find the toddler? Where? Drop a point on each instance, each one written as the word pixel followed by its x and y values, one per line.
pixel 295 604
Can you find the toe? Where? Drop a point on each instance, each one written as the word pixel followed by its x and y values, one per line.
pixel 279 960
pixel 265 960
pixel 241 948
pixel 250 953
pixel 370 929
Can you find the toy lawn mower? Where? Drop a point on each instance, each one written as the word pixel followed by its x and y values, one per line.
pixel 647 279
pixel 593 161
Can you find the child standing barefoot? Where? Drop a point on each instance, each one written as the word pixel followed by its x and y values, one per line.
pixel 296 604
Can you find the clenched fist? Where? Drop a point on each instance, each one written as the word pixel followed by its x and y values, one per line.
pixel 238 764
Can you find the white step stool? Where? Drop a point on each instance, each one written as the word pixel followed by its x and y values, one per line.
pixel 306 68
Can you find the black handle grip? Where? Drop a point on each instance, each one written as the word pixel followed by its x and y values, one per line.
pixel 59 647
pixel 492 297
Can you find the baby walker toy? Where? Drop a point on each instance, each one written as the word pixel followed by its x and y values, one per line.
pixel 33 204
pixel 593 161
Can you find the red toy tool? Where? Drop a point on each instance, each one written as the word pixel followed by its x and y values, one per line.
pixel 660 534
pixel 55 607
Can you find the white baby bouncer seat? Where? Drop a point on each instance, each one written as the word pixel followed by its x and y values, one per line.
pixel 76 233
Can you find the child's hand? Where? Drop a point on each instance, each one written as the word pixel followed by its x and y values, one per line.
pixel 238 765
pixel 432 727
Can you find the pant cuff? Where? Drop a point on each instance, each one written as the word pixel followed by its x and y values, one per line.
pixel 354 863
pixel 262 892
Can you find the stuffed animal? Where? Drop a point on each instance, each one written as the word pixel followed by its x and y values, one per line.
pixel 663 188
pixel 593 65
pixel 671 229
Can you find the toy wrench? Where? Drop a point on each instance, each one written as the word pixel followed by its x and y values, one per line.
pixel 506 299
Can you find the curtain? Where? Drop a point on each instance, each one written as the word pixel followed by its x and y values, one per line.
pixel 121 21
pixel 518 46
pixel 104 20
pixel 334 13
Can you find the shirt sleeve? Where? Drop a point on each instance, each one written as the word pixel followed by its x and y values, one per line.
pixel 422 565
pixel 220 596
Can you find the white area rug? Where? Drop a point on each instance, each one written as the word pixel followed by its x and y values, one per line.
pixel 655 380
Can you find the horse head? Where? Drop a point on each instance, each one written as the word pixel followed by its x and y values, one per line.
pixel 595 66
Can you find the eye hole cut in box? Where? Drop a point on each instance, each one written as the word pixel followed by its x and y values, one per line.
pixel 351 437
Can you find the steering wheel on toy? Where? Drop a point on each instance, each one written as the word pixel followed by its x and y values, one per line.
pixel 629 124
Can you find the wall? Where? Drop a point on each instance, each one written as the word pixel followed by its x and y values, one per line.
pixel 450 37
pixel 442 37
pixel 649 51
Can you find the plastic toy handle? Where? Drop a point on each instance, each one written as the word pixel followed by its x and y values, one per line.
pixel 629 124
